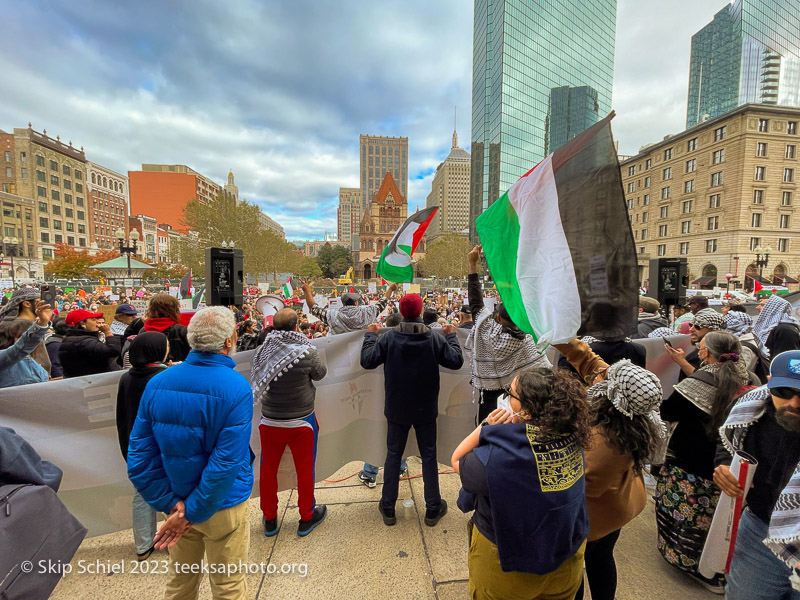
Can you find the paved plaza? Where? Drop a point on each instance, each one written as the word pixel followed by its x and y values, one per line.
pixel 352 555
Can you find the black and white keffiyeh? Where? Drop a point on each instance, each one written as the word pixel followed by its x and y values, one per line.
pixel 280 351
pixel 709 318
pixel 498 355
pixel 633 391
pixel 739 323
pixel 661 332
pixel 11 310
pixel 775 311
pixel 783 537
pixel 352 318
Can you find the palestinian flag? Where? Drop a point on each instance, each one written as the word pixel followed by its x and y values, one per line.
pixel 288 290
pixel 186 285
pixel 395 261
pixel 559 244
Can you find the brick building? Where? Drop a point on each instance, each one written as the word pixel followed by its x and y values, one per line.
pixel 108 191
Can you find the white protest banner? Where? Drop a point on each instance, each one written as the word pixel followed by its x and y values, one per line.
pixel 406 287
pixel 175 291
pixel 186 303
pixel 721 540
pixel 140 306
pixel 372 287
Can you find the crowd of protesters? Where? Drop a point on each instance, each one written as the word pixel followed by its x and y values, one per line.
pixel 552 473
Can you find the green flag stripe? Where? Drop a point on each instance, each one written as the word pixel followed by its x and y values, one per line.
pixel 498 228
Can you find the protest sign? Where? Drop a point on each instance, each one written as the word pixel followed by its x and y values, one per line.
pixel 372 287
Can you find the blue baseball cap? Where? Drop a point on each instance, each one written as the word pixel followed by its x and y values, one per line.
pixel 126 309
pixel 784 370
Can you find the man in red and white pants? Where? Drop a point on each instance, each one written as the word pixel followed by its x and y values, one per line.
pixel 284 370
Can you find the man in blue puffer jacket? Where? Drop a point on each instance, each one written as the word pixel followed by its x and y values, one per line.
pixel 189 456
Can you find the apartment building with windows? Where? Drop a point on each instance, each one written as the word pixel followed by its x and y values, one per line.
pixel 108 194
pixel 719 191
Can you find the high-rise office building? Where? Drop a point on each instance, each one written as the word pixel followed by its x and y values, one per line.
pixel 523 50
pixel 450 193
pixel 571 110
pixel 349 214
pixel 381 155
pixel 749 53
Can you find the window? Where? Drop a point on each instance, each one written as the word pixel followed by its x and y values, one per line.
pixel 78 186
pixel 688 186
pixel 79 201
pixel 786 200
pixel 646 200
pixel 43 222
pixel 40 176
pixel 758 196
pixel 82 242
pixel 648 163
pixel 645 214
pixel 68 213
pixel 718 156
pixel 687 206
pixel 665 193
pixel 59 238
pixel 783 245
pixel 8 156
pixel 71 240
pixel 24 173
pixel 763 125
pixel 53 165
pixel 630 187
pixel 691 165
pixel 70 226
pixel 684 248
pixel 784 222
pixel 644 234
pixel 56 210
pixel 55 195
pixel 686 227
pixel 53 179
pixel 713 223
pixel 41 191
pixel 719 133
pixel 65 169
pixel 28 214
pixel 78 174
pixel 761 149
pixel 754 243
pixel 788 175
pixel 668 154
pixel 39 160
pixel 755 220
pixel 629 203
pixel 790 150
pixel 647 181
pixel 662 250
pixel 716 178
pixel 45 237
pixel 664 212
pixel 81 215
pixel 691 145
pixel 68 198
pixel 56 224
pixel 42 206
pixel 711 245
pixel 791 128
pixel 23 157
pixel 632 170
pixel 641 249
pixel 8 172
pixel 667 174
pixel 662 231
pixel 81 228
pixel 761 173
pixel 67 184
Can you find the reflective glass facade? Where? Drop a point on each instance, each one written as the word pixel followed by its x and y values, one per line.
pixel 542 72
pixel 749 53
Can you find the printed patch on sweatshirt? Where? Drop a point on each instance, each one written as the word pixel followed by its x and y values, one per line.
pixel 559 462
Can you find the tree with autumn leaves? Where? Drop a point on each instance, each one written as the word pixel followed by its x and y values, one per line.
pixel 74 263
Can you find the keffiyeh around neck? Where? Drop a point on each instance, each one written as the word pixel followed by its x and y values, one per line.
pixel 783 537
pixel 499 354
pixel 739 323
pixel 280 351
pixel 661 332
pixel 775 311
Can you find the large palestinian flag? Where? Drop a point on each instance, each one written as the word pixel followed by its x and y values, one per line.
pixel 395 262
pixel 559 244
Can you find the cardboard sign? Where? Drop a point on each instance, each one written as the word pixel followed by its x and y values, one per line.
pixel 140 306
pixel 186 304
pixel 372 287
pixel 108 312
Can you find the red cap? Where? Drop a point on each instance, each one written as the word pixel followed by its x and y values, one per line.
pixel 76 316
pixel 411 306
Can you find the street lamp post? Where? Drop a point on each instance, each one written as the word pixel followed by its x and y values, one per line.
pixel 762 258
pixel 728 276
pixel 129 249
pixel 11 253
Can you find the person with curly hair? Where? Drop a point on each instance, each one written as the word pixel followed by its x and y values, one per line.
pixel 523 475
pixel 164 315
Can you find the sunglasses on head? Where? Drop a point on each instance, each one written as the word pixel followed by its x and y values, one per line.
pixel 785 393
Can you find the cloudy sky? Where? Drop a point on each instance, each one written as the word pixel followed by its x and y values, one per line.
pixel 279 91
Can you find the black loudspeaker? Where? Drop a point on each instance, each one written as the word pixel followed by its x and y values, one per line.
pixel 224 277
pixel 668 280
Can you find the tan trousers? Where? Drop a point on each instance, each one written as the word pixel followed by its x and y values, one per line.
pixel 225 540
pixel 488 581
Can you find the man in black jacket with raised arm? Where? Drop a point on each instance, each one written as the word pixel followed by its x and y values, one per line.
pixel 411 354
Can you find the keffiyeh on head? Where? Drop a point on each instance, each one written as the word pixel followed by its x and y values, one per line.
pixel 661 332
pixel 709 318
pixel 739 323
pixel 775 311
pixel 633 391
pixel 11 310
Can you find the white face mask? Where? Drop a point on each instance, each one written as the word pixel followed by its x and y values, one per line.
pixel 504 402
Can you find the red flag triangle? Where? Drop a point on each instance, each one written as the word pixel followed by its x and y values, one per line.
pixel 757 287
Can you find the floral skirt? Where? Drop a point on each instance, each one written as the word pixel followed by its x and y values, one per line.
pixel 685 505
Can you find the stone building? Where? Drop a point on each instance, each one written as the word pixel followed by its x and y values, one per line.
pixel 379 223
pixel 348 214
pixel 450 192
pixel 718 192
pixel 108 191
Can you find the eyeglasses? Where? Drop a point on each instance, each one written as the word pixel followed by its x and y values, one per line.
pixel 784 393
pixel 514 396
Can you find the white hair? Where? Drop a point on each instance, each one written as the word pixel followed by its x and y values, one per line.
pixel 209 328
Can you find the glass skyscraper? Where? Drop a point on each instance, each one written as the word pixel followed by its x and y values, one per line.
pixel 542 72
pixel 749 53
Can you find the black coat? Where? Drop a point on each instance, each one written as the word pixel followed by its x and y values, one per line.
pixel 129 394
pixel 82 353
pixel 411 354
pixel 178 343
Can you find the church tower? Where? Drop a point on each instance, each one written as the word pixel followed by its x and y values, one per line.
pixel 231 189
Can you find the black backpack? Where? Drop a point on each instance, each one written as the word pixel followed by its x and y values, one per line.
pixel 761 368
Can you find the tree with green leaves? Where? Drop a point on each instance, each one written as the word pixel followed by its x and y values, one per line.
pixel 309 268
pixel 447 257
pixel 334 260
